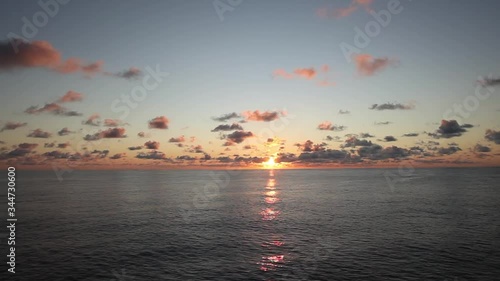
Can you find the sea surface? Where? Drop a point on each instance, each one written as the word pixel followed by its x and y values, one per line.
pixel 342 224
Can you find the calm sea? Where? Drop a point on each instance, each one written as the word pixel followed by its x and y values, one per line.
pixel 359 224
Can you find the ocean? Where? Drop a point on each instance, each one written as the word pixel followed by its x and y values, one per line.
pixel 337 224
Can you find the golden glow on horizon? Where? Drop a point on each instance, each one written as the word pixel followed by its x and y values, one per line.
pixel 270 164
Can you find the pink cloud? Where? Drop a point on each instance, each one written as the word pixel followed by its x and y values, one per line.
pixel 71 96
pixel 160 122
pixel 367 65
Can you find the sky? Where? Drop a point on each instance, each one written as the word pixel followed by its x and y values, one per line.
pixel 146 84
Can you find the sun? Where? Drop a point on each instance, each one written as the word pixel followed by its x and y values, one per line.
pixel 270 164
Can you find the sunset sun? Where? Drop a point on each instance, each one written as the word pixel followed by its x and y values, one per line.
pixel 270 164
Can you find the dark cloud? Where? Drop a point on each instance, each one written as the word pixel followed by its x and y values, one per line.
pixel 390 138
pixel 266 116
pixel 64 131
pixel 155 155
pixel 152 145
pixel 481 148
pixel 344 111
pixel 309 146
pixel 376 152
pixel 490 82
pixel 383 123
pixel 227 127
pixel 114 133
pixel 160 122
pixel 448 150
pixel 135 147
pixel 185 157
pixel 492 135
pixel 117 156
pixel 335 138
pixel 328 126
pixel 353 142
pixel 52 108
pixel 56 154
pixel 38 133
pixel 449 129
pixel 365 135
pixel 131 73
pixel 49 144
pixel 12 126
pixel 63 145
pixel 141 134
pixel 109 133
pixel 410 135
pixel 392 106
pixel 92 120
pixel 225 117
pixel 239 136
pixel 328 155
pixel 21 150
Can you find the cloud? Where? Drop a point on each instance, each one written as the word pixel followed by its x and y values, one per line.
pixel 335 138
pixel 328 126
pixel 12 126
pixel 63 145
pixel 178 139
pixel 22 149
pixel 113 133
pixel 118 156
pixel 239 136
pixel 92 120
pixel 131 73
pixel 114 123
pixel 155 155
pixel 160 122
pixel 152 145
pixel 346 11
pixel 227 127
pixel 309 146
pixel 492 135
pixel 41 54
pixel 265 116
pixel 141 134
pixel 489 82
pixel 390 138
pixel 195 149
pixel 52 108
pixel 366 135
pixel 308 73
pixel 448 150
pixel 18 53
pixel 109 133
pixel 70 96
pixel 392 106
pixel 135 147
pixel 449 129
pixel 225 117
pixel 367 65
pixel 410 135
pixel 64 131
pixel 38 133
pixel 481 148
pixel 57 154
pixel 344 111
pixel 353 142
pixel 383 123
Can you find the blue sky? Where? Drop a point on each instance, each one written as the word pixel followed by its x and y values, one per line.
pixel 216 67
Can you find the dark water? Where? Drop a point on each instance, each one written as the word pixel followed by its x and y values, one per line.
pixel 430 224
